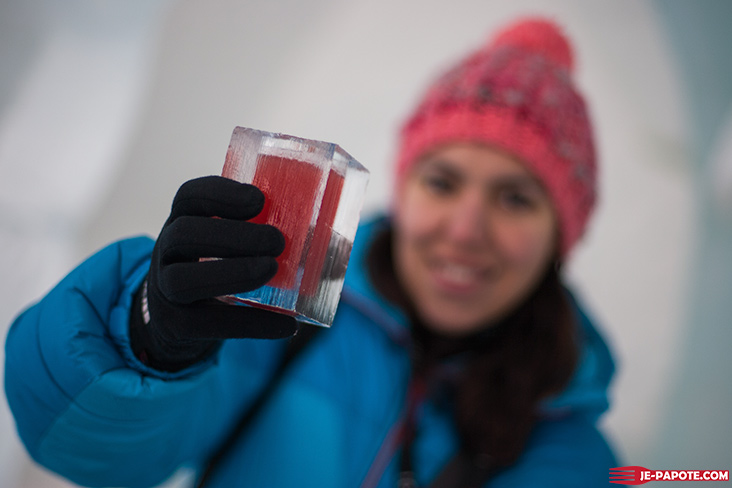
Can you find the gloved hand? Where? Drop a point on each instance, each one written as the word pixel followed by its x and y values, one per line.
pixel 176 320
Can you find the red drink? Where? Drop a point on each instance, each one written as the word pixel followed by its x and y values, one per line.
pixel 289 188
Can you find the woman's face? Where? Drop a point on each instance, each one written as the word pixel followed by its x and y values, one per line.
pixel 474 232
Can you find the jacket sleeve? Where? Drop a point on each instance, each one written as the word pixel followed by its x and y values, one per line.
pixel 562 453
pixel 84 406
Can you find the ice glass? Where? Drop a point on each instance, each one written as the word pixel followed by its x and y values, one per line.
pixel 313 194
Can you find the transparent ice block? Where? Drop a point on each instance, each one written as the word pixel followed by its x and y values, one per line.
pixel 313 194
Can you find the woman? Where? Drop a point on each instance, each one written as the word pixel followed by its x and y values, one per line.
pixel 457 358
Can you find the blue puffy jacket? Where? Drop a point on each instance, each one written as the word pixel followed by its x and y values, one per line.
pixel 86 408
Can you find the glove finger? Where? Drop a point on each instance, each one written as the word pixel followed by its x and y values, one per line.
pixel 185 283
pixel 191 238
pixel 216 320
pixel 216 196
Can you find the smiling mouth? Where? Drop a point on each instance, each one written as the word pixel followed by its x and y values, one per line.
pixel 459 278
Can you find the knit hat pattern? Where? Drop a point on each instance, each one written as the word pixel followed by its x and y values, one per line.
pixel 516 94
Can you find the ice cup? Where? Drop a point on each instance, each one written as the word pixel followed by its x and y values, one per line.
pixel 313 192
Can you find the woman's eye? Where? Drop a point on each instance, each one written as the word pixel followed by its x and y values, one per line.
pixel 438 184
pixel 516 200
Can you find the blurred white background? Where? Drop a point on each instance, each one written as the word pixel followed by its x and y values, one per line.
pixel 107 107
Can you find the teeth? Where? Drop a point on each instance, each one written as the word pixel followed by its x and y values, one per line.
pixel 459 274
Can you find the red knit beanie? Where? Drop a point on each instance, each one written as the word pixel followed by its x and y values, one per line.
pixel 516 93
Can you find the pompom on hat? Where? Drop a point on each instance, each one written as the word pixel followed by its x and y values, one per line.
pixel 516 94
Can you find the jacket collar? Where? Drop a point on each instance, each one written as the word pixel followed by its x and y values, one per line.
pixel 359 291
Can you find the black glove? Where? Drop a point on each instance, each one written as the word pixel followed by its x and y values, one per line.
pixel 176 320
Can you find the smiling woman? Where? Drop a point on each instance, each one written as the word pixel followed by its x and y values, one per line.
pixel 496 181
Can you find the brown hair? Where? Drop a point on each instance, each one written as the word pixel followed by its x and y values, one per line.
pixel 534 357
pixel 513 364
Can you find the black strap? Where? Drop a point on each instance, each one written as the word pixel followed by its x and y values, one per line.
pixel 294 347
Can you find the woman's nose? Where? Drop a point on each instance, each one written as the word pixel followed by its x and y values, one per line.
pixel 469 221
